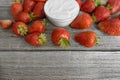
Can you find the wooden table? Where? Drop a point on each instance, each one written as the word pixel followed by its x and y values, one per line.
pixel 20 61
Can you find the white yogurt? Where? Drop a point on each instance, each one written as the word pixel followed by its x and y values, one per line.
pixel 61 10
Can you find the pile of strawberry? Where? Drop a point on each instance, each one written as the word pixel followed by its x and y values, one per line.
pixel 32 11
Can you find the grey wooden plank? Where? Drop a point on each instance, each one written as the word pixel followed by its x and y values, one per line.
pixel 60 65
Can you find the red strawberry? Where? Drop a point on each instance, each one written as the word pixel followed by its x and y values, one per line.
pixel 20 29
pixel 101 13
pixel 5 24
pixel 28 5
pixel 16 8
pixel 79 2
pixel 114 6
pixel 111 27
pixel 87 39
pixel 61 37
pixel 90 5
pixel 40 0
pixel 36 39
pixel 83 21
pixel 24 17
pixel 38 26
pixel 38 11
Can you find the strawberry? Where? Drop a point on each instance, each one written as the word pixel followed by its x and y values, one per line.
pixel 40 0
pixel 90 5
pixel 6 23
pixel 20 29
pixel 28 5
pixel 113 6
pixel 101 13
pixel 61 37
pixel 38 26
pixel 87 39
pixel 38 11
pixel 111 27
pixel 79 2
pixel 83 21
pixel 16 8
pixel 24 17
pixel 36 39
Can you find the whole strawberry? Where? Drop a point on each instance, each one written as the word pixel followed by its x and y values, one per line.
pixel 113 6
pixel 83 21
pixel 90 5
pixel 87 39
pixel 38 10
pixel 38 26
pixel 28 5
pixel 6 24
pixel 36 39
pixel 16 8
pixel 24 17
pixel 61 37
pixel 20 29
pixel 101 13
pixel 111 27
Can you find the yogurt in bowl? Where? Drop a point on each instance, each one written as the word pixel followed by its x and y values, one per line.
pixel 61 12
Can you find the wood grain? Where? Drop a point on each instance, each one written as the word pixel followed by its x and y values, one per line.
pixel 59 65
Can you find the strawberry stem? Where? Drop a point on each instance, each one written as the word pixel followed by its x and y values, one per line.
pixel 44 22
pixel 109 7
pixel 22 30
pixel 97 40
pixel 94 18
pixel 32 16
pixel 42 39
pixel 19 1
pixel 64 43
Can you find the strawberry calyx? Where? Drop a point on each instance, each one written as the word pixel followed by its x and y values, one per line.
pixel 97 40
pixel 22 30
pixel 99 2
pixel 94 18
pixel 42 39
pixel 44 22
pixel 109 7
pixel 19 1
pixel 64 43
pixel 32 16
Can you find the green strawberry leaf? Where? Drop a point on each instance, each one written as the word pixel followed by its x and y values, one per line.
pixel 99 2
pixel 94 18
pixel 42 39
pixel 44 22
pixel 22 30
pixel 97 40
pixel 109 7
pixel 64 43
pixel 20 1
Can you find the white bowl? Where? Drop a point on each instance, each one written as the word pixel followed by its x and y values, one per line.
pixel 64 20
